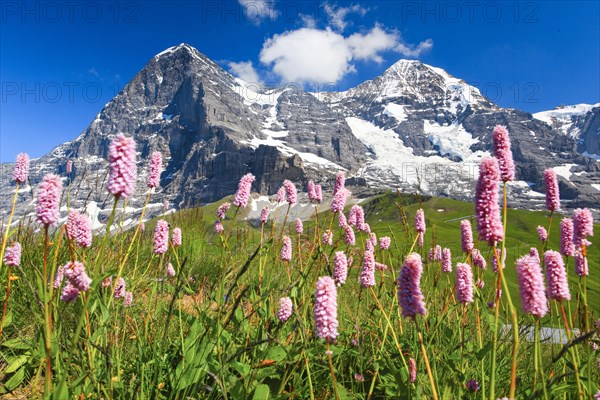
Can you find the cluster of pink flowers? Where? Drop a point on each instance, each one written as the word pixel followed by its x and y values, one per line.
pixel 340 180
pixel 286 249
pixel 367 275
pixel 342 221
pixel 285 309
pixel 120 288
pixel 464 283
pixel 161 237
pixel 155 170
pixel 122 163
pixel 176 237
pixel 412 370
pixel 219 227
pixel 339 200
pixel 243 191
pixel 583 226
pixel 299 226
pixel 385 242
pixel 420 221
pixel 170 270
pixel 78 279
pixel 542 233
pixel 567 248
pixel 581 264
pixel 349 235
pixel 291 193
pixel 340 267
pixel 280 197
pixel 380 266
pixel 328 237
pixel 12 255
pixel 466 236
pixel 326 322
pixel 552 193
pixel 356 217
pixel 72 221
pixel 487 210
pixel 531 286
pixel 556 275
pixel 503 153
pixel 222 210
pixel 47 207
pixel 410 298
pixel 446 260
pixel 264 215
pixel 83 237
pixel 478 259
pixel 21 170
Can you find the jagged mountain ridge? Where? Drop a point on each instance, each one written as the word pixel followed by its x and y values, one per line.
pixel 212 128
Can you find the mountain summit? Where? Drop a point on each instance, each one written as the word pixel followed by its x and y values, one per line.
pixel 415 127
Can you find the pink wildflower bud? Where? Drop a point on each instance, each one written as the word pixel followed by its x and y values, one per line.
pixel 340 179
pixel 243 191
pixel 466 236
pixel 176 237
pixel 556 275
pixel 380 266
pixel 552 193
pixel 531 286
pixel 326 322
pixel 412 370
pixel 286 249
pixel 70 293
pixel 170 270
pixel 312 194
pixel 340 267
pixel 21 170
pixel 264 215
pixel 446 260
pixel 410 297
pixel 356 217
pixel 280 197
pixel 437 255
pixel 533 252
pixel 385 242
pixel 366 228
pixel 48 200
pixel 285 309
pixel 72 223
pixel 161 237
pixel 487 210
pixel 318 193
pixel 503 153
pixel 84 231
pixel 75 273
pixel 12 256
pixel 58 277
pixel 107 282
pixel 328 237
pixel 299 226
pixel 420 221
pixel 583 226
pixel 122 163
pixel 349 235
pixel 478 259
pixel 542 233
pixel 464 283
pixel 567 248
pixel 480 284
pixel 155 170
pixel 222 210
pixel 367 275
pixel 342 222
pixel 369 246
pixel 219 227
pixel 339 200
pixel 69 167
pixel 581 264
pixel 291 193
pixel 128 301
pixel 120 289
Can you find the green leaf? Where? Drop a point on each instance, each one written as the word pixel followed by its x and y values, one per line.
pixel 16 362
pixel 276 353
pixel 15 380
pixel 18 344
pixel 7 319
pixel 262 392
pixel 484 350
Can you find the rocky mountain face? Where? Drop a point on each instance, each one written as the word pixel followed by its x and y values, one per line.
pixel 414 127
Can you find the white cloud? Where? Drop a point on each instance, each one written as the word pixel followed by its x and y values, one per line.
pixel 258 10
pixel 244 70
pixel 325 56
pixel 337 15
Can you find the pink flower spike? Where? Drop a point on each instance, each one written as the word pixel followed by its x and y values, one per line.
pixel 542 234
pixel 59 276
pixel 478 259
pixel 349 235
pixel 120 288
pixel 21 171
pixel 583 226
pixel 70 293
pixel 280 198
pixel 48 200
pixel 437 255
pixel 291 193
pixel 74 271
pixel 128 299
pixel 219 227
pixel 556 275
pixel 222 210
pixel 286 249
pixel 487 210
pixel 339 200
pixel 326 322
pixel 552 192
pixel 299 226
pixel 412 370
pixel 531 286
pixel 176 238
pixel 243 192
pixel 385 242
pixel 72 223
pixel 367 275
pixel 342 222
pixel 380 266
pixel 285 309
pixel 410 297
pixel 84 231
pixel 581 264
pixel 567 248
pixel 464 283
pixel 328 237
pixel 503 153
pixel 170 270
pixel 69 167
pixel 264 215
pixel 312 194
pixel 161 237
pixel 420 221
pixel 420 239
pixel 155 170
pixel 340 269
pixel 446 260
pixel 340 180
pixel 318 193
pixel 122 163
pixel 533 252
pixel 466 236
pixel 12 256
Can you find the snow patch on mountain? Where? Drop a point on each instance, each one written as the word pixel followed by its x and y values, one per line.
pixel 564 171
pixel 396 111
pixel 452 140
pixel 563 117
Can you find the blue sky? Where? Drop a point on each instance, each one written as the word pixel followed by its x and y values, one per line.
pixel 60 62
